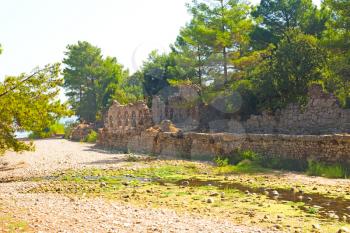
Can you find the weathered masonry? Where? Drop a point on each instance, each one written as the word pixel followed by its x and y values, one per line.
pixel 320 130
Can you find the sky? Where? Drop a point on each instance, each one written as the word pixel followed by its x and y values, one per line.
pixel 36 32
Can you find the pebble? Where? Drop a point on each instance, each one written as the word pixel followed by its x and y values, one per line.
pixel 275 193
pixel 344 230
pixel 316 226
pixel 210 200
pixel 185 183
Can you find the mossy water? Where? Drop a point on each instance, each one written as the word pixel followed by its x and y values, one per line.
pixel 203 189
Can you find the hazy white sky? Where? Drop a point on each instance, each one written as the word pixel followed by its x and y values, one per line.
pixel 36 32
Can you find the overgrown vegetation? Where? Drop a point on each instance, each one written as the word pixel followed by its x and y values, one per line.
pixel 328 170
pixel 249 161
pixel 48 132
pixel 92 137
pixel 29 103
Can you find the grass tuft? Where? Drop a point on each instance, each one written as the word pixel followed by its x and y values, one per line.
pixel 327 170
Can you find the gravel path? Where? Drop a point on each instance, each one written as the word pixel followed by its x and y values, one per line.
pixel 54 155
pixel 57 213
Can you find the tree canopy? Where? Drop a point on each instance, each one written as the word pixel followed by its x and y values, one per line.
pixel 29 103
pixel 92 81
pixel 269 54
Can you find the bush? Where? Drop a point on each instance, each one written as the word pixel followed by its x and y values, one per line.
pixel 249 161
pixel 53 130
pixel 221 161
pixel 330 171
pixel 92 137
pixel 239 156
pixel 283 164
pixel 68 128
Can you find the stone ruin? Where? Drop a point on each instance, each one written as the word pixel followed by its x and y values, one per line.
pixel 294 132
pixel 128 118
pixel 181 108
pixel 123 122
pixel 81 132
pixel 321 115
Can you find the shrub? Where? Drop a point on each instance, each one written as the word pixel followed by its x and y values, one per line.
pixel 239 156
pixel 55 129
pixel 221 161
pixel 327 170
pixel 68 128
pixel 284 164
pixel 92 137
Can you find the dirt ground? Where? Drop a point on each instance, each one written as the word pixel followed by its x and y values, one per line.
pixel 59 213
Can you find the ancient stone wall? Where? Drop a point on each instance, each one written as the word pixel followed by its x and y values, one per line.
pixel 128 118
pixel 181 108
pixel 321 115
pixel 327 148
pixel 81 132
pixel 295 132
pixel 123 122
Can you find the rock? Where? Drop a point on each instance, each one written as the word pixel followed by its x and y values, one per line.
pixel 222 195
pixel 275 193
pixel 185 183
pixel 215 194
pixel 344 230
pixel 315 188
pixel 333 215
pixel 344 218
pixel 103 184
pixel 247 192
pixel 300 198
pixel 309 199
pixel 266 193
pixel 210 200
pixel 316 227
pixel 278 227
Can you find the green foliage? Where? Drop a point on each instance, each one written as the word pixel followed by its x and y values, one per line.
pixel 280 16
pixel 313 210
pixel 327 170
pixel 337 40
pixel 219 33
pixel 29 103
pixel 130 90
pixel 68 129
pixel 221 162
pixel 285 76
pixel 90 80
pixel 249 161
pixel 156 72
pixel 48 132
pixel 279 163
pixel 92 137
